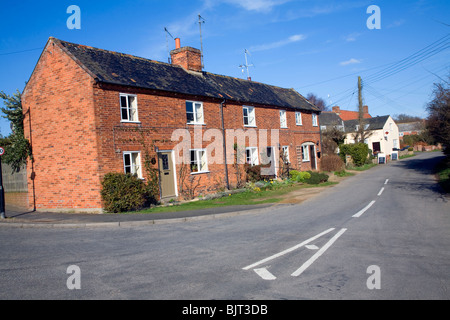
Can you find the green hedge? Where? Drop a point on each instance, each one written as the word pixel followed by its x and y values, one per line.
pixel 358 151
pixel 123 192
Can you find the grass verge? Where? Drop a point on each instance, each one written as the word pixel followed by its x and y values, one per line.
pixel 244 198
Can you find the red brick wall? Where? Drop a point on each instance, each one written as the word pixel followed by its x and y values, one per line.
pixel 58 101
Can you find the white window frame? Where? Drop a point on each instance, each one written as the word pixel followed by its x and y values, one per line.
pixel 283 119
pixel 251 117
pixel 132 111
pixel 298 119
pixel 285 150
pixel 315 121
pixel 135 166
pixel 201 167
pixel 251 156
pixel 306 157
pixel 196 104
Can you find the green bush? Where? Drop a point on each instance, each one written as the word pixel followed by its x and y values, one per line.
pixel 123 192
pixel 316 177
pixel 358 151
pixel 299 176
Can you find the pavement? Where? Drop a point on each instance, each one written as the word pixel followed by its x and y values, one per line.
pixel 18 217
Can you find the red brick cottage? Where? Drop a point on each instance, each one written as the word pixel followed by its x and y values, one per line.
pixel 89 112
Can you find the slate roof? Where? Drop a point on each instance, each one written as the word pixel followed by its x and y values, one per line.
pixel 375 123
pixel 127 70
pixel 330 119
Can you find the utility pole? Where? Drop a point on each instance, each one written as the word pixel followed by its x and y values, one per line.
pixel 360 131
pixel 2 191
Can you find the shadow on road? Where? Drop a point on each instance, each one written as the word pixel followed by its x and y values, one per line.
pixel 422 168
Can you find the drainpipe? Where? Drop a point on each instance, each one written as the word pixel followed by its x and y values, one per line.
pixel 224 144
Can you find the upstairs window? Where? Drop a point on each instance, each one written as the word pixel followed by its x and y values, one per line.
pixel 194 112
pixel 315 123
pixel 249 117
pixel 283 121
pixel 128 108
pixel 298 119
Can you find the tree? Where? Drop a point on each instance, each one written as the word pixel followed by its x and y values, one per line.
pixel 438 122
pixel 19 148
pixel 405 118
pixel 318 102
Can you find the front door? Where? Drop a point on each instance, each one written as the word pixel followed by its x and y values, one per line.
pixel 312 154
pixel 167 175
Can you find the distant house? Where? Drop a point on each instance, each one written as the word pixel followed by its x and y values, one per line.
pixel 384 134
pixel 410 128
pixel 329 120
pixel 89 112
pixel 351 115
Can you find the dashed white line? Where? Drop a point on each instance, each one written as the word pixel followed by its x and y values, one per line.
pixel 386 182
pixel 288 250
pixel 265 274
pixel 308 263
pixel 357 215
pixel 381 191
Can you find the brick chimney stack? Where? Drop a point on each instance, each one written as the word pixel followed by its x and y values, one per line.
pixel 186 57
pixel 365 109
pixel 337 110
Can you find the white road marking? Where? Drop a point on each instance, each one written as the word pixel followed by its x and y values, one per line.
pixel 288 250
pixel 312 247
pixel 265 274
pixel 357 215
pixel 308 263
pixel 381 191
pixel 386 182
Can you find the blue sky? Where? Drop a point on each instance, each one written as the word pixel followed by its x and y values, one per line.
pixel 317 46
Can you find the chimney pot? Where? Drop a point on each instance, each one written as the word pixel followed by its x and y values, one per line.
pixel 177 43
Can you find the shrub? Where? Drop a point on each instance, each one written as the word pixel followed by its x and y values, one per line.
pixel 358 151
pixel 254 173
pixel 123 192
pixel 316 178
pixel 332 162
pixel 299 176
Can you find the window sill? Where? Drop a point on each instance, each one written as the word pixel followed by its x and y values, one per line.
pixel 250 126
pixel 195 124
pixel 125 121
pixel 306 160
pixel 284 128
pixel 201 172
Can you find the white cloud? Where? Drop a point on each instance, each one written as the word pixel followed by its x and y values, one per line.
pixel 277 44
pixel 352 37
pixel 351 61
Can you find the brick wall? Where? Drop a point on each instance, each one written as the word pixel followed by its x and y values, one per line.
pixel 58 105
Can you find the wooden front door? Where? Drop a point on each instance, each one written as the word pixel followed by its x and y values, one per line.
pixel 167 175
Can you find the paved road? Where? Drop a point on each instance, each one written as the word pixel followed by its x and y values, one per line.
pixel 386 228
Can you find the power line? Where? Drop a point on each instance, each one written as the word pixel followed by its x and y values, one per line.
pixel 16 52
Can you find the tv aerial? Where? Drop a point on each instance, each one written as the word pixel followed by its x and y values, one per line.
pixel 246 65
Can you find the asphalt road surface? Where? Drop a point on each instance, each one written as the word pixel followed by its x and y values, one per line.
pixel 383 234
